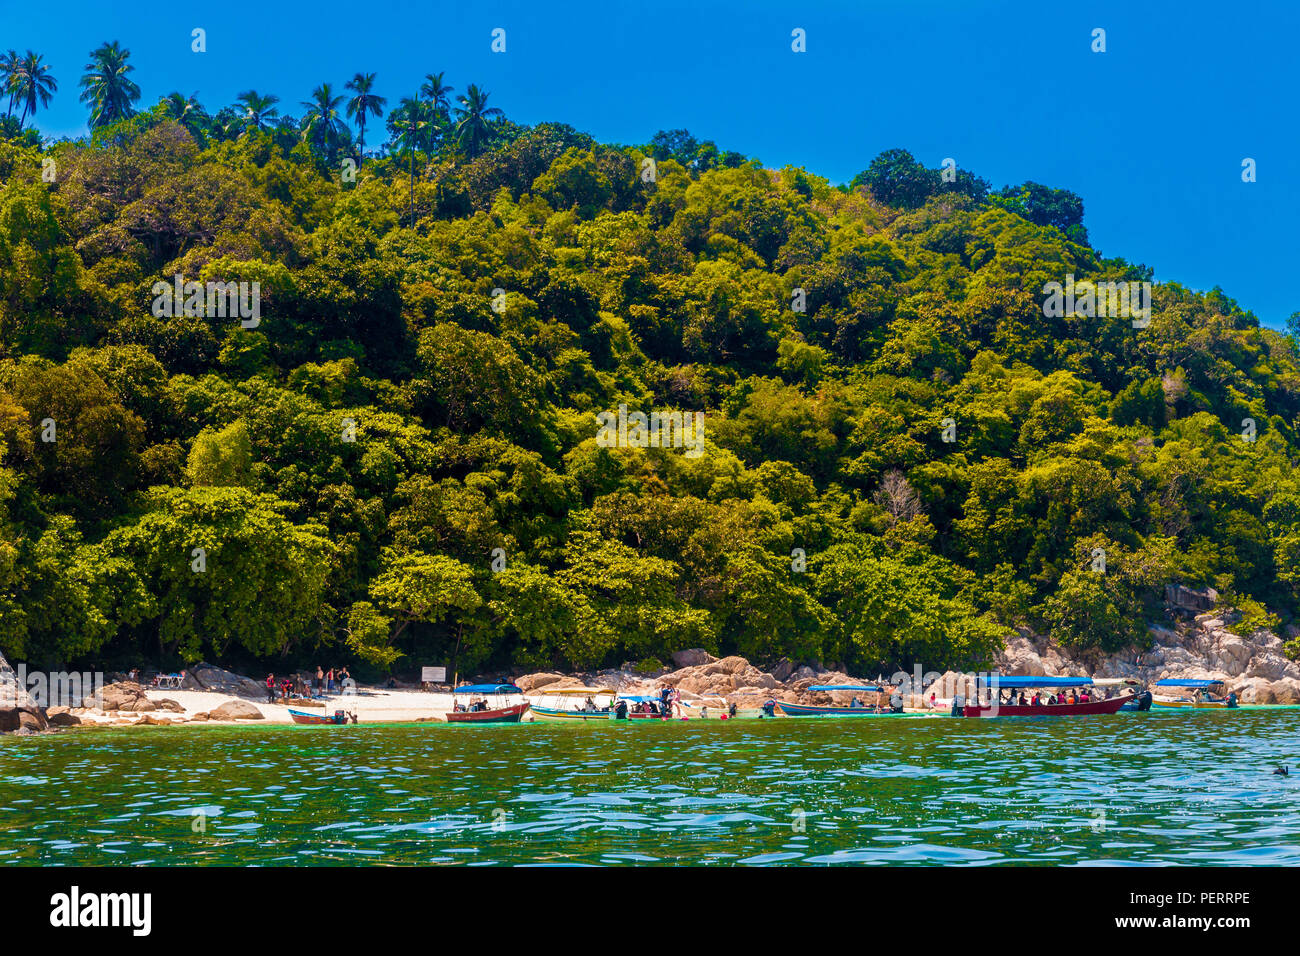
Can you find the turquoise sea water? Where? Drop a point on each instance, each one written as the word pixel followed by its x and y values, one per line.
pixel 1172 788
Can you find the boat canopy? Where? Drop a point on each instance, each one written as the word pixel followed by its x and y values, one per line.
pixel 572 691
pixel 487 689
pixel 1001 680
pixel 1184 682
pixel 862 687
pixel 639 697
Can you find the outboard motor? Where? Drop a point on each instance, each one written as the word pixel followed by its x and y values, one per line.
pixel 1144 701
pixel 958 708
pixel 769 708
pixel 1232 699
pixel 620 710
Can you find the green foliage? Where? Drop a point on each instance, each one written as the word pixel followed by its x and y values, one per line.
pixel 902 457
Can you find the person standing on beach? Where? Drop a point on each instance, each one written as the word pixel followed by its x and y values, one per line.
pixel 270 688
pixel 320 679
pixel 329 680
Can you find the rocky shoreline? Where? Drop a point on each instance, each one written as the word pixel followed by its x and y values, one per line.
pixel 1197 645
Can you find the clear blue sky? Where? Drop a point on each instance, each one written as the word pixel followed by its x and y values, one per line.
pixel 1151 133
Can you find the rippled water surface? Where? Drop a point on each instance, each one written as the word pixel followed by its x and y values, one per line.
pixel 1192 788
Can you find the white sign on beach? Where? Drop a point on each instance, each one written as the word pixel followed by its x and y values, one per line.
pixel 433 675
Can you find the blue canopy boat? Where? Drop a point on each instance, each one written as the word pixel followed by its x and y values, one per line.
pixel 855 709
pixel 1192 692
pixel 480 711
pixel 994 684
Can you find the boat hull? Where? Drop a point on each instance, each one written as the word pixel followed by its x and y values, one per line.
pixel 1092 707
pixel 301 718
pixel 500 715
pixel 786 709
pixel 567 716
pixel 1187 703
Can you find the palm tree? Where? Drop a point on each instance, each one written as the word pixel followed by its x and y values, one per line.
pixel 363 103
pixel 29 83
pixel 322 124
pixel 9 68
pixel 436 91
pixel 474 129
pixel 106 86
pixel 187 112
pixel 258 110
pixel 410 125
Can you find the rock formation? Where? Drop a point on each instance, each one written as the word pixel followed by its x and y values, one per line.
pixel 18 712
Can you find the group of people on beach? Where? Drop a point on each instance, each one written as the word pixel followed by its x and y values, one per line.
pixel 325 682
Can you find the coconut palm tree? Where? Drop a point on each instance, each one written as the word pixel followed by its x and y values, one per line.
pixel 187 112
pixel 436 92
pixel 9 66
pixel 257 110
pixel 322 124
pixel 365 102
pixel 474 127
pixel 107 87
pixel 410 125
pixel 32 85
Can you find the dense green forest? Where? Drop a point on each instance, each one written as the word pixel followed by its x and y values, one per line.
pixel 903 457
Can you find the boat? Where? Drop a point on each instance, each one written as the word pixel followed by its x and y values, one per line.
pixel 1192 693
pixel 1143 700
pixel 645 706
pixel 478 710
pixel 994 684
pixel 302 717
pixel 568 703
pixel 783 708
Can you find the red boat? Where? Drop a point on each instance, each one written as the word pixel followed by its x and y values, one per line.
pixel 995 683
pixel 500 715
pixel 479 711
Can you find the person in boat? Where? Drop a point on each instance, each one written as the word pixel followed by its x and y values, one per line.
pixel 933 703
pixel 1021 700
pixel 1038 700
pixel 855 703
pixel 589 706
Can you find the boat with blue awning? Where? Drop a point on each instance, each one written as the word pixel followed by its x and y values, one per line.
pixel 1192 693
pixel 1081 700
pixel 879 706
pixel 486 704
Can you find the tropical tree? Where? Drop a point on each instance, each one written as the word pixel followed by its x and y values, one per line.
pixel 474 128
pixel 257 110
pixel 437 92
pixel 323 125
pixel 187 112
pixel 8 74
pixel 31 84
pixel 364 103
pixel 107 86
pixel 411 126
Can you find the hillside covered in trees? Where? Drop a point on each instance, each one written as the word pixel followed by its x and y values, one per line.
pixel 903 456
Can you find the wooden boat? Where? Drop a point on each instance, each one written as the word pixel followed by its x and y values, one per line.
pixel 643 707
pixel 994 684
pixel 1192 693
pixel 1143 700
pixel 479 711
pixel 881 709
pixel 300 717
pixel 567 704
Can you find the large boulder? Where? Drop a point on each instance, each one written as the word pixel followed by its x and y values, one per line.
pixel 692 657
pixel 125 696
pixel 236 710
pixel 208 677
pixel 531 682
pixel 19 713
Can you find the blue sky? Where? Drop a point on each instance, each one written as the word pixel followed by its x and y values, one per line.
pixel 1151 133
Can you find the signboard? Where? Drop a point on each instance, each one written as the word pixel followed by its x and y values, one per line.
pixel 433 675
